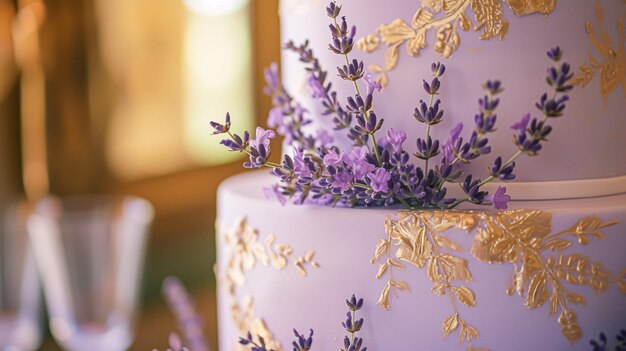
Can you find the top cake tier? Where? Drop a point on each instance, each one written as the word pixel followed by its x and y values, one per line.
pixel 506 40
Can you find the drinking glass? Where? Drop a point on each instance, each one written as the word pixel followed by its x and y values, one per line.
pixel 20 294
pixel 90 250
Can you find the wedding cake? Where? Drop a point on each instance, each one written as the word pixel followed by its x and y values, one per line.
pixel 437 271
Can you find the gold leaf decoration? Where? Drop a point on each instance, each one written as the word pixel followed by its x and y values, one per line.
pixel 527 7
pixel 444 17
pixel 465 295
pixel 489 17
pixel 542 266
pixel 245 251
pixel 450 324
pixel 611 66
pixel 417 239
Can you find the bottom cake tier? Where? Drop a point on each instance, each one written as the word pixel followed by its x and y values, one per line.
pixel 543 275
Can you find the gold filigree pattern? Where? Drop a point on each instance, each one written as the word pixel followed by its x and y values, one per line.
pixel 611 66
pixel 523 238
pixel 245 251
pixel 445 17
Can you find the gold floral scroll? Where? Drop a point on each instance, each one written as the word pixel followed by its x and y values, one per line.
pixel 611 65
pixel 445 17
pixel 543 265
pixel 245 250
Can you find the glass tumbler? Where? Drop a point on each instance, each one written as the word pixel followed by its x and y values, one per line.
pixel 20 295
pixel 90 251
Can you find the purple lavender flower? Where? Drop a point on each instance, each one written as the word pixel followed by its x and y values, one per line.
pixel 275 118
pixel 371 84
pixel 302 343
pixel 317 89
pixel 500 198
pixel 332 10
pixel 343 39
pixel 396 138
pixel 237 143
pixel 271 78
pixel 360 168
pixel 342 180
pixel 379 180
pixel 353 71
pixel 188 320
pixel 555 54
pixel 522 124
pixel 274 191
pixel 263 137
pixel 332 158
pixel 502 172
pixel 447 148
pixel 221 128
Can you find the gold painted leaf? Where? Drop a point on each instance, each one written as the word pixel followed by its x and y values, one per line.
pixel 455 268
pixel 621 281
pixel 392 261
pixel 537 291
pixel 439 288
pixel 421 18
pixel 381 270
pixel 396 32
pixel 382 248
pixel 417 43
pixel 391 57
pixel 450 6
pixel 569 326
pixel 376 68
pixel 526 225
pixel 444 220
pixel 433 271
pixel 434 5
pixel 465 295
pixel 383 300
pixel 575 298
pixel 369 43
pixel 415 247
pixel 488 14
pixel 554 301
pixel 492 245
pixel 588 227
pixel 556 245
pixel 400 284
pixel 447 243
pixel 467 332
pixel 450 324
pixel 465 22
pixel 527 7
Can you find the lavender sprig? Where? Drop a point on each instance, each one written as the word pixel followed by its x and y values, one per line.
pixel 249 340
pixel 601 345
pixel 302 343
pixel 352 325
pixel 320 87
pixel 342 44
pixel 189 322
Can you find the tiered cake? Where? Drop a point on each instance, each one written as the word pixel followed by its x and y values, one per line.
pixel 547 274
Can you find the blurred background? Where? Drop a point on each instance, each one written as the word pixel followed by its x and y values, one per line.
pixel 127 89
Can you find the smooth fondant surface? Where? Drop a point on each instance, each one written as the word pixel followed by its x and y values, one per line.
pixel 344 239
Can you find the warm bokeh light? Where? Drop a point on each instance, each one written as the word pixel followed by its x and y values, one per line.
pixel 215 7
pixel 217 78
pixel 173 69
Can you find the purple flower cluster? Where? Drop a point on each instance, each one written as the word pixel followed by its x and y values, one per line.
pixel 377 170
